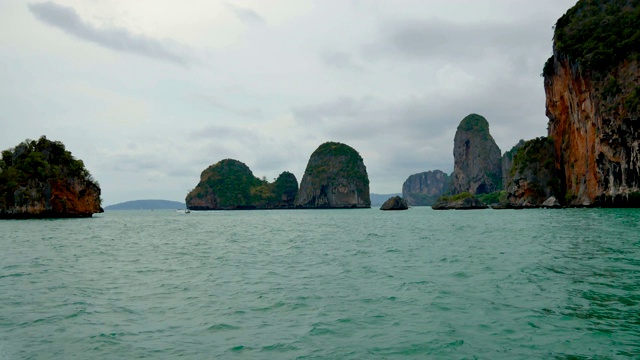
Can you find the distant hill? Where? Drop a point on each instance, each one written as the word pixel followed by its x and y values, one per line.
pixel 378 199
pixel 146 205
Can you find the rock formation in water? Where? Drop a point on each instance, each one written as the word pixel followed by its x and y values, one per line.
pixel 533 177
pixel 395 203
pixel 477 160
pixel 424 188
pixel 41 179
pixel 462 201
pixel 335 177
pixel 592 85
pixel 230 185
pixel 507 162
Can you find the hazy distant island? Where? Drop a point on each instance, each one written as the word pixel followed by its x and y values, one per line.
pixel 146 205
pixel 41 179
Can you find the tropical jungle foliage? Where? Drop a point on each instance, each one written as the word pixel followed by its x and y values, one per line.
pixel 43 161
pixel 598 34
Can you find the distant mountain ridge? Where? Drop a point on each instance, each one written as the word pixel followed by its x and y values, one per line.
pixel 146 205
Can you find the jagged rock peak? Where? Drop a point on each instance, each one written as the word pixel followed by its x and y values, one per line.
pixel 477 158
pixel 424 188
pixel 335 177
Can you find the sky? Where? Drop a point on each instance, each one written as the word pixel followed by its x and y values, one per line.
pixel 149 93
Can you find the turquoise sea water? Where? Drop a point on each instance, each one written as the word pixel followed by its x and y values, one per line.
pixel 324 284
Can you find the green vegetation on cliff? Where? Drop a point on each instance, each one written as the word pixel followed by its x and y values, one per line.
pixel 598 34
pixel 535 152
pixel 350 159
pixel 335 177
pixel 230 184
pixel 41 161
pixel 475 123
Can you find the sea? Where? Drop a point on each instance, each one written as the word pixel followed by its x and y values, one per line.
pixel 323 284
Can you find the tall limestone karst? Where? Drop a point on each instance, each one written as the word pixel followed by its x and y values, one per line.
pixel 477 160
pixel 41 179
pixel 230 185
pixel 592 85
pixel 335 177
pixel 424 188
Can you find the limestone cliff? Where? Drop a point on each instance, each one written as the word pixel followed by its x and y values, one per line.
pixel 335 177
pixel 533 178
pixel 424 188
pixel 231 185
pixel 592 85
pixel 507 162
pixel 41 179
pixel 477 160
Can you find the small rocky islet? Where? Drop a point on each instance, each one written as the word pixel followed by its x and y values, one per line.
pixel 41 179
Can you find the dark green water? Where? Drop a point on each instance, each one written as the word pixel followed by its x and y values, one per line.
pixel 334 284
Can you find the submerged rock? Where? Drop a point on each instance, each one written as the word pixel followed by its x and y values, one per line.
pixel 395 203
pixel 335 177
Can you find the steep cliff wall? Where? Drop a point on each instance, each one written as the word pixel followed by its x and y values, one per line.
pixel 477 158
pixel 507 162
pixel 424 188
pixel 592 85
pixel 335 177
pixel 533 178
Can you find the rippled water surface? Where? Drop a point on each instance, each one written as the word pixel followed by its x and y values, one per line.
pixel 330 284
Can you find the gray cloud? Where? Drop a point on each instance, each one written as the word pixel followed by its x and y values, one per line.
pixel 246 15
pixel 119 39
pixel 435 38
pixel 339 59
pixel 246 112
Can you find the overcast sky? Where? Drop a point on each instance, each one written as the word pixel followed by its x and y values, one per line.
pixel 148 93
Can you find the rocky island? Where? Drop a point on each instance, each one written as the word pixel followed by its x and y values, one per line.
pixel 425 188
pixel 592 85
pixel 230 185
pixel 335 177
pixel 41 179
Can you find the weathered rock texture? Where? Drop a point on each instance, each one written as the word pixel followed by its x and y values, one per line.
pixel 455 203
pixel 424 188
pixel 231 185
pixel 478 166
pixel 395 203
pixel 533 177
pixel 335 177
pixel 507 162
pixel 41 179
pixel 592 85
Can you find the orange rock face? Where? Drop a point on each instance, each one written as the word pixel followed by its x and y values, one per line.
pixel 596 138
